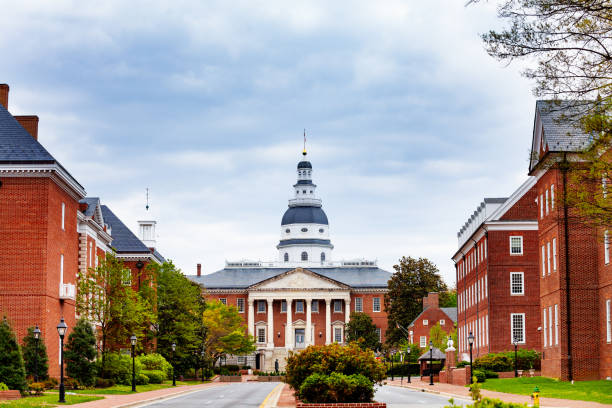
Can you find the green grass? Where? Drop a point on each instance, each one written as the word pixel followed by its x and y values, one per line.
pixel 127 389
pixel 598 391
pixel 49 400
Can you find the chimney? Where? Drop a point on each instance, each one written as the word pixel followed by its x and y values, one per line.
pixel 4 90
pixel 199 269
pixel 431 300
pixel 29 123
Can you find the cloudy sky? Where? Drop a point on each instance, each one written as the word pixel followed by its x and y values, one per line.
pixel 410 123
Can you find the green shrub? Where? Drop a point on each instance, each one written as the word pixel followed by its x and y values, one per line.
pixel 35 356
pixel 50 383
pixel 118 367
pixel 104 383
pixel 462 364
pixel 3 387
pixel 491 374
pixel 403 369
pixel 333 358
pixel 504 361
pixel 72 384
pixel 80 353
pixel 336 388
pixel 141 379
pixel 12 370
pixel 480 375
pixel 487 403
pixel 155 376
pixel 37 388
pixel 155 362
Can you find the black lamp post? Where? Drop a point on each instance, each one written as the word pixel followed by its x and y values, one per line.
pixel 408 355
pixel 471 343
pixel 402 357
pixel 173 374
pixel 203 355
pixel 515 342
pixel 36 333
pixel 133 341
pixel 431 363
pixel 392 373
pixel 61 330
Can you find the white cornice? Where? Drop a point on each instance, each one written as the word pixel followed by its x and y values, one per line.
pixel 512 225
pixel 68 183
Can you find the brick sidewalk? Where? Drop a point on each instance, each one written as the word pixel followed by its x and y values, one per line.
pixel 127 400
pixel 287 397
pixel 463 392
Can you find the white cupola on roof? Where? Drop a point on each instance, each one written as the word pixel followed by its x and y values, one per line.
pixel 146 227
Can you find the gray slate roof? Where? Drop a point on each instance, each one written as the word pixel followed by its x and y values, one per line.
pixel 450 312
pixel 91 202
pixel 242 278
pixel 561 123
pixel 304 215
pixel 124 240
pixel 17 146
pixel 437 354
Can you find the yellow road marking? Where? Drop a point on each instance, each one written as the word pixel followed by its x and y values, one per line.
pixel 263 404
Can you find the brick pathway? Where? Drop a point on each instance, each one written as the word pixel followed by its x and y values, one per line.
pixel 287 397
pixel 459 391
pixel 128 400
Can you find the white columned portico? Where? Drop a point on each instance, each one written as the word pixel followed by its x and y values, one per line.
pixel 270 323
pixel 328 321
pixel 308 322
pixel 347 312
pixel 251 317
pixel 289 326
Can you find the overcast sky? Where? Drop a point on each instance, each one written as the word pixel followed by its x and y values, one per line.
pixel 410 123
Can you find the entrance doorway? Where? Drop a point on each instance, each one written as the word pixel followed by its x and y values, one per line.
pixel 258 361
pixel 299 338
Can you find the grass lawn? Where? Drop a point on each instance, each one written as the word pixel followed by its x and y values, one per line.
pixel 598 391
pixel 127 389
pixel 49 400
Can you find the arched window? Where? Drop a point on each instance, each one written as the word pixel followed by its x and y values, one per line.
pixel 322 256
pixel 304 256
pixel 286 257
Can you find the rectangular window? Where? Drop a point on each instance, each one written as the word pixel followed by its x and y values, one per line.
pixel 376 304
pixel 608 323
pixel 358 304
pixel 606 247
pixel 337 306
pixel 315 306
pixel 545 326
pixel 556 324
pixel 552 196
pixel 543 260
pixel 223 300
pixel 546 202
pixel 127 277
pixel 487 327
pixel 516 245
pixel 423 342
pixel 240 304
pixel 517 283
pixel 541 206
pixel 485 286
pixel 518 327
pixel 485 248
pixel 425 322
pixel 299 306
pixel 61 268
pixel 379 334
pixel 442 322
pixel 261 306
pixel 261 334
pixel 338 334
pixel 283 306
pixel 554 254
pixel 550 325
pixel 548 256
pixel 63 215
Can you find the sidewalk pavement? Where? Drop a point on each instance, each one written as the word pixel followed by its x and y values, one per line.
pixel 287 397
pixel 463 392
pixel 129 400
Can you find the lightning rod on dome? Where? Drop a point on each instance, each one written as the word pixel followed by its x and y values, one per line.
pixel 147 206
pixel 304 151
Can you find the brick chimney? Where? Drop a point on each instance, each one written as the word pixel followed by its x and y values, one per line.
pixel 4 90
pixel 199 269
pixel 29 123
pixel 431 300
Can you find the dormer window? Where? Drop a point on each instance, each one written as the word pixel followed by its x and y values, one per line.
pixel 303 191
pixel 286 257
pixel 321 230
pixel 304 229
pixel 287 230
pixel 304 256
pixel 146 232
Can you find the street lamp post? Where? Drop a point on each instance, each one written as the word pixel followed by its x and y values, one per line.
pixel 392 373
pixel 61 330
pixel 431 363
pixel 515 342
pixel 173 374
pixel 133 341
pixel 37 339
pixel 203 354
pixel 402 355
pixel 408 351
pixel 471 343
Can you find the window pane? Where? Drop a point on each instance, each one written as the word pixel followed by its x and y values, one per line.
pixel 241 305
pixel 358 305
pixel 299 306
pixel 283 305
pixel 315 306
pixel 376 304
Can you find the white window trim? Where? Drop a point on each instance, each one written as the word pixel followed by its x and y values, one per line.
pixel 261 302
pixel 258 328
pixel 238 305
pixel 300 302
pixel 550 325
pixel 606 247
pixel 545 325
pixel 63 216
pixel 521 239
pixel 546 201
pixel 425 322
pixel 337 302
pixel 554 254
pixel 543 260
pixel 338 327
pixel 522 315
pixel 608 322
pixel 548 256
pixel 522 292
pixel 541 206
pixel 552 196
pixel 556 324
pixel 442 322
pixel 374 305
pixel 423 341
pixel 359 301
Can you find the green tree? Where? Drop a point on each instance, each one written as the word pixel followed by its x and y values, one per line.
pixel 438 336
pixel 361 329
pixel 448 298
pixel 413 279
pixel 179 315
pixel 225 332
pixel 36 363
pixel 12 370
pixel 80 353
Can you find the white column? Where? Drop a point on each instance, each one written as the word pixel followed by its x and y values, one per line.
pixel 270 323
pixel 251 318
pixel 308 322
pixel 289 327
pixel 327 321
pixel 347 311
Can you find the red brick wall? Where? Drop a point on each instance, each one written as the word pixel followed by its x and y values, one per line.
pixel 433 315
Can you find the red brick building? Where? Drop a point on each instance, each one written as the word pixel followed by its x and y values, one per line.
pixel 50 231
pixel 304 298
pixel 431 315
pixel 498 286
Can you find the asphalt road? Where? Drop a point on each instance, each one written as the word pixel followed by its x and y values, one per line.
pixel 234 395
pixel 397 397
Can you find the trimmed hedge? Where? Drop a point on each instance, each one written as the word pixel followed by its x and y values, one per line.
pixel 155 362
pixel 504 361
pixel 336 388
pixel 118 367
pixel 398 369
pixel 155 376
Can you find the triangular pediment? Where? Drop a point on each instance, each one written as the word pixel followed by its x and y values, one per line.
pixel 298 279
